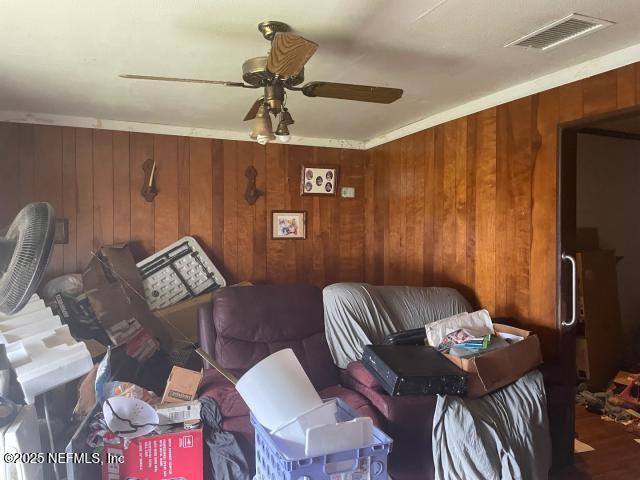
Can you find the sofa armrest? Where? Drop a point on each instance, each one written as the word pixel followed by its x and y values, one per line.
pixel 358 372
pixel 408 420
pixel 229 401
pixel 416 410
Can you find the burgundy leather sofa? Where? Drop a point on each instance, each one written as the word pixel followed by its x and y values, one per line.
pixel 246 324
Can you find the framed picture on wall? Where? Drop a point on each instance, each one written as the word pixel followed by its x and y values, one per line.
pixel 319 180
pixel 290 224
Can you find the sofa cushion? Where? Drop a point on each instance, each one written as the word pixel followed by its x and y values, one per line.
pixel 224 393
pixel 253 322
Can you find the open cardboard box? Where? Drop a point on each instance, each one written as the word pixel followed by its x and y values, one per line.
pixel 497 368
pixel 113 286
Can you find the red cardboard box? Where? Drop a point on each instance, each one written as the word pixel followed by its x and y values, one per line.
pixel 168 456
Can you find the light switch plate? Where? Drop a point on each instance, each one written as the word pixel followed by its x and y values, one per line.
pixel 348 192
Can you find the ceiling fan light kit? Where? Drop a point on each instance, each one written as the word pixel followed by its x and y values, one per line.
pixel 283 69
pixel 282 133
pixel 262 130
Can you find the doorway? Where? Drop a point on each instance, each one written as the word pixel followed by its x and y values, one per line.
pixel 599 300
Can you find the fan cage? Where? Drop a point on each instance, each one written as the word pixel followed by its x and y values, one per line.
pixel 32 231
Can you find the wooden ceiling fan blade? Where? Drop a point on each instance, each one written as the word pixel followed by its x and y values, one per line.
pixel 289 54
pixel 253 111
pixel 346 91
pixel 183 80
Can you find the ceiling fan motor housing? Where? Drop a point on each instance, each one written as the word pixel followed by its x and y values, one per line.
pixel 254 72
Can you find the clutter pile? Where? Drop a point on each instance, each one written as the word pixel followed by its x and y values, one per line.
pixel 137 434
pixel 465 354
pixel 146 307
pixel 49 343
pixel 490 399
pixel 297 433
pixel 619 403
pixel 148 312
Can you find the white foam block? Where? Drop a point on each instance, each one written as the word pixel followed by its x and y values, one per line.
pixel 19 329
pixel 41 350
pixel 35 303
pixel 48 361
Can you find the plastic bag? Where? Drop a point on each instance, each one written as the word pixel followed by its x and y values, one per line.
pixel 70 284
pixel 131 390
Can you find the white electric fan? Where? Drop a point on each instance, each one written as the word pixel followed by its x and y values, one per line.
pixel 24 255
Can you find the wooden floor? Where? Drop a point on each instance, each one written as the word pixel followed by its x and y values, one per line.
pixel 616 455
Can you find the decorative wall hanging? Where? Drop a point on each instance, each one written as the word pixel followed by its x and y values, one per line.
pixel 319 180
pixel 149 189
pixel 291 224
pixel 251 194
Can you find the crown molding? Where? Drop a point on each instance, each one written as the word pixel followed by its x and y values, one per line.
pixel 583 70
pixel 106 124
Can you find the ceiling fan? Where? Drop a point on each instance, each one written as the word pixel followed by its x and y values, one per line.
pixel 281 70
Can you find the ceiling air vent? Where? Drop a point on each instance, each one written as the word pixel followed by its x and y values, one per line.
pixel 560 31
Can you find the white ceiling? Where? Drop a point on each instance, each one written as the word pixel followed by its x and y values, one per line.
pixel 61 59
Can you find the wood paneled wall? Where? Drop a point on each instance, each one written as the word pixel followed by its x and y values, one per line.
pixel 472 203
pixel 94 177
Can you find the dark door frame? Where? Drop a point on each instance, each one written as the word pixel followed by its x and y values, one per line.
pixel 560 373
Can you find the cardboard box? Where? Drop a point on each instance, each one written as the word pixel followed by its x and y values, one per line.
pixel 497 368
pixel 181 319
pixel 114 288
pixel 172 413
pixel 624 378
pixel 174 455
pixel 182 385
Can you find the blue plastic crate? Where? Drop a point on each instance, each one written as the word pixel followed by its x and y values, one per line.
pixel 366 463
